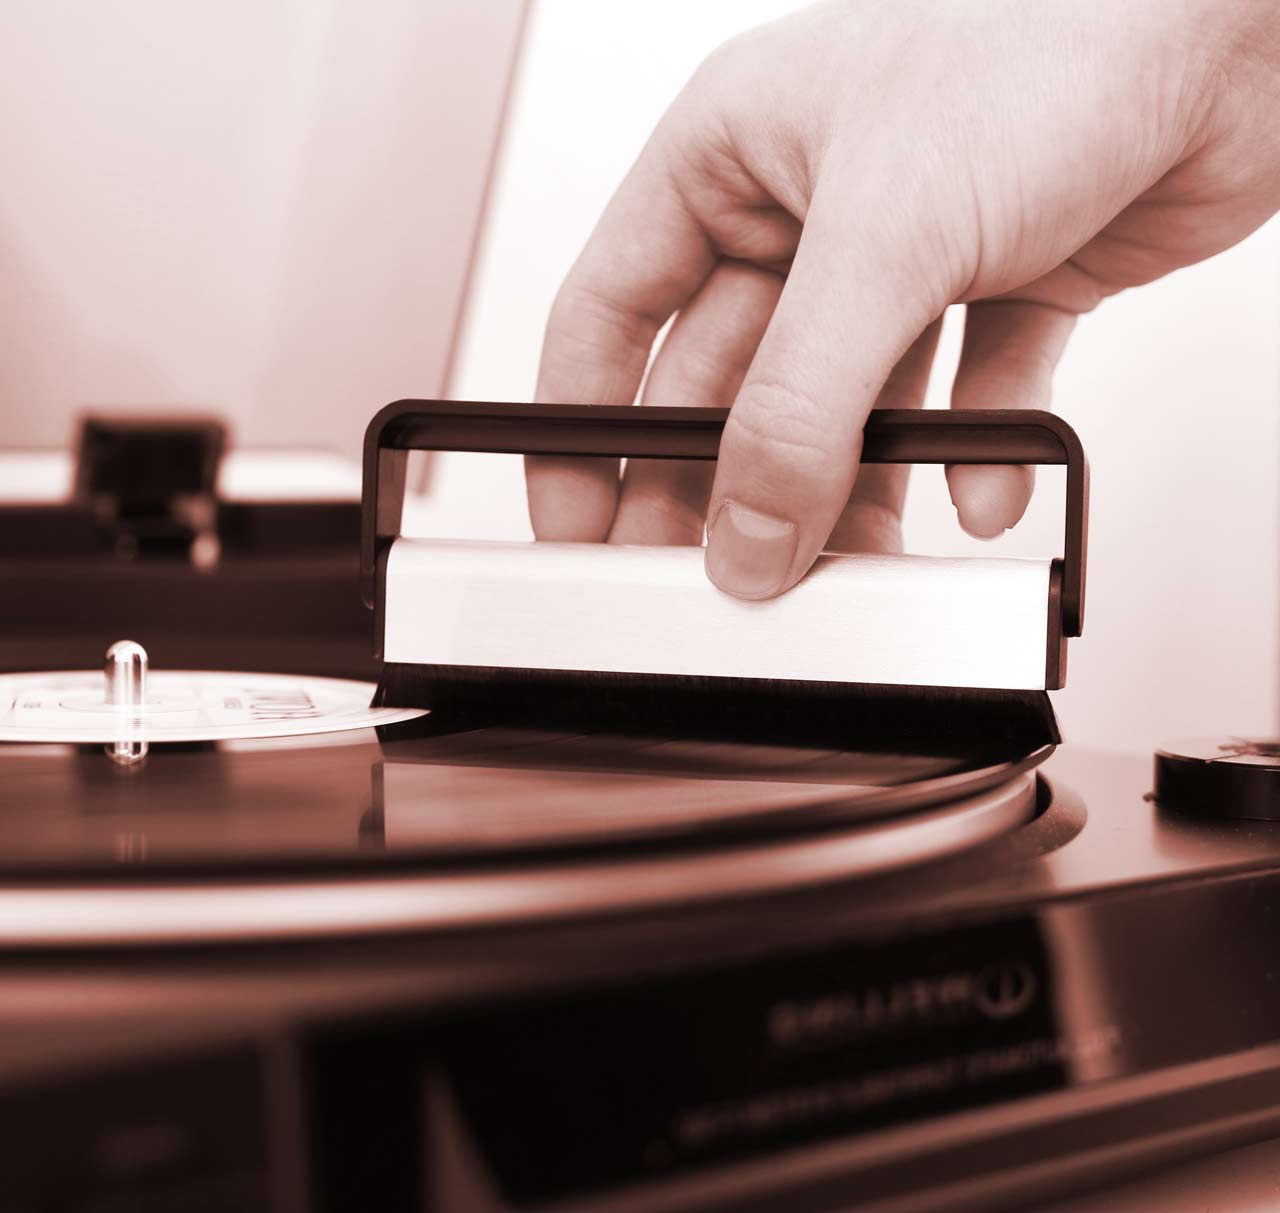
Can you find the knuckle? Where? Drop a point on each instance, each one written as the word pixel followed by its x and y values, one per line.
pixel 593 347
pixel 783 424
pixel 582 310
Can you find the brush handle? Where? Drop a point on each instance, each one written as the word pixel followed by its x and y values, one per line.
pixel 890 436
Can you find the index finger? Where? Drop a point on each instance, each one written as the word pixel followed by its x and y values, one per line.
pixel 646 257
pixel 859 295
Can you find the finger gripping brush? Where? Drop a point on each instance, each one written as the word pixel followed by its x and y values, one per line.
pixel 865 648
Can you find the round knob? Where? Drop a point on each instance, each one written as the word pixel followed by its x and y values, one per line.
pixel 1226 777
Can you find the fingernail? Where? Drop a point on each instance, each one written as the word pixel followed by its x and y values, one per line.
pixel 749 554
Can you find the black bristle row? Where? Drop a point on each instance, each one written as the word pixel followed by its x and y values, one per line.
pixel 840 715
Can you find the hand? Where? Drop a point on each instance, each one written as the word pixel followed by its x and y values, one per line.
pixel 825 186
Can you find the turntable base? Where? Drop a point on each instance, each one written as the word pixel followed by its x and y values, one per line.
pixel 985 1029
pixel 323 943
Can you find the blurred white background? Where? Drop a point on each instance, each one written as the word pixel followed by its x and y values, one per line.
pixel 1174 389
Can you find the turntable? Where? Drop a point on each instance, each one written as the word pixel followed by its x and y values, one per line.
pixel 612 927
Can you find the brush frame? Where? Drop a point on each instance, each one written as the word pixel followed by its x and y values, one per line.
pixel 945 436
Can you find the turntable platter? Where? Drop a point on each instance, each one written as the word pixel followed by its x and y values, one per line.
pixel 166 785
pixel 407 793
pixel 354 833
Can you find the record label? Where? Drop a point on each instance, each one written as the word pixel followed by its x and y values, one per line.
pixel 186 706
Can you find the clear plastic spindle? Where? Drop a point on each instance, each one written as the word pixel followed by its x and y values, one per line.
pixel 126 675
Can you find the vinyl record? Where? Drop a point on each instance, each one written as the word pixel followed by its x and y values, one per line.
pixel 223 806
pixel 265 770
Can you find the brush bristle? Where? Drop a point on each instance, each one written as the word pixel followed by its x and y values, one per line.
pixel 841 715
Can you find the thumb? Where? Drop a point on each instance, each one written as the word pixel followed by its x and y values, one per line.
pixel 853 304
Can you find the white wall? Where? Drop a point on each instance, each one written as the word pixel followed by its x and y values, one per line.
pixel 1174 390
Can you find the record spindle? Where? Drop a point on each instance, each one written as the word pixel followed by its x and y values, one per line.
pixel 126 674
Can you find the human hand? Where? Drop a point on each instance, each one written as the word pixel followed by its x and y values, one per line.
pixel 825 186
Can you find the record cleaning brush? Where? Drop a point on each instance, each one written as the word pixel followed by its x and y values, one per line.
pixel 867 649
